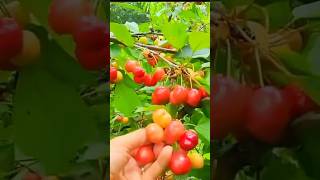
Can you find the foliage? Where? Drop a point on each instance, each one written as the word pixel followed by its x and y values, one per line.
pixel 287 36
pixel 53 111
pixel 180 32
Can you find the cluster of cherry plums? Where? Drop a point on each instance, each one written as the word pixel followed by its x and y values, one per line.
pixel 166 131
pixel 260 112
pixel 90 34
pixel 140 75
pixel 115 75
pixel 178 95
pixel 18 47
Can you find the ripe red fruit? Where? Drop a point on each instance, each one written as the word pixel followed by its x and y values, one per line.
pixel 148 81
pixel 131 65
pixel 180 163
pixel 92 59
pixel 145 155
pixel 8 66
pixel 113 74
pixel 173 132
pixel 178 95
pixel 268 114
pixel 159 75
pixel 138 72
pixel 31 176
pixel 203 92
pixel 194 97
pixel 188 140
pixel 300 102
pixel 152 61
pixel 10 40
pixel 161 95
pixel 64 15
pixel 90 32
pixel 229 102
pixel 138 80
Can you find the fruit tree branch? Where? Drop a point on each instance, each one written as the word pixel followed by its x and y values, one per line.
pixel 163 58
pixel 151 49
pixel 146 33
pixel 157 48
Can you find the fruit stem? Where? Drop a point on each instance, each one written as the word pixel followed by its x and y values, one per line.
pixel 96 6
pixel 244 35
pixel 228 58
pixel 279 66
pixel 167 61
pixel 256 53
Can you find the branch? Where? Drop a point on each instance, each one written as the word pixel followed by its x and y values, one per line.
pixel 146 33
pixel 153 52
pixel 150 48
pixel 156 48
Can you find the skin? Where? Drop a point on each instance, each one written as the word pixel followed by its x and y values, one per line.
pixel 122 164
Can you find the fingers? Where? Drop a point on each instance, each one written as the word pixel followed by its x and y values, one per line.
pixel 132 170
pixel 118 159
pixel 159 165
pixel 132 140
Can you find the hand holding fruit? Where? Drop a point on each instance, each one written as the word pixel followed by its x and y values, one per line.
pixel 124 166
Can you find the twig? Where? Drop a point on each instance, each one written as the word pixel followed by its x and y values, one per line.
pixel 276 64
pixel 141 34
pixel 257 57
pixel 228 58
pixel 244 35
pixel 156 48
pixel 166 60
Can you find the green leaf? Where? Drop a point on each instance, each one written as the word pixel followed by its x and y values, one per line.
pixel 59 63
pixel 187 52
pixel 295 62
pixel 203 128
pixel 129 6
pixel 311 52
pixel 199 40
pixel 310 85
pixel 203 53
pixel 122 33
pixel 114 50
pixel 276 8
pixel 176 34
pixel 144 27
pixel 126 100
pixel 132 26
pixel 205 106
pixel 287 170
pixel 311 10
pixel 246 173
pixel 7 162
pixel 39 8
pixel 51 120
pixel 306 131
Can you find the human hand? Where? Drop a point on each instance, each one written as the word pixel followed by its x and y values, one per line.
pixel 124 166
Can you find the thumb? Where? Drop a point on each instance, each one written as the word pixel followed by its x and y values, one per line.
pixel 159 165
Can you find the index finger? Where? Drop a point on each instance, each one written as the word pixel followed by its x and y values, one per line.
pixel 132 140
